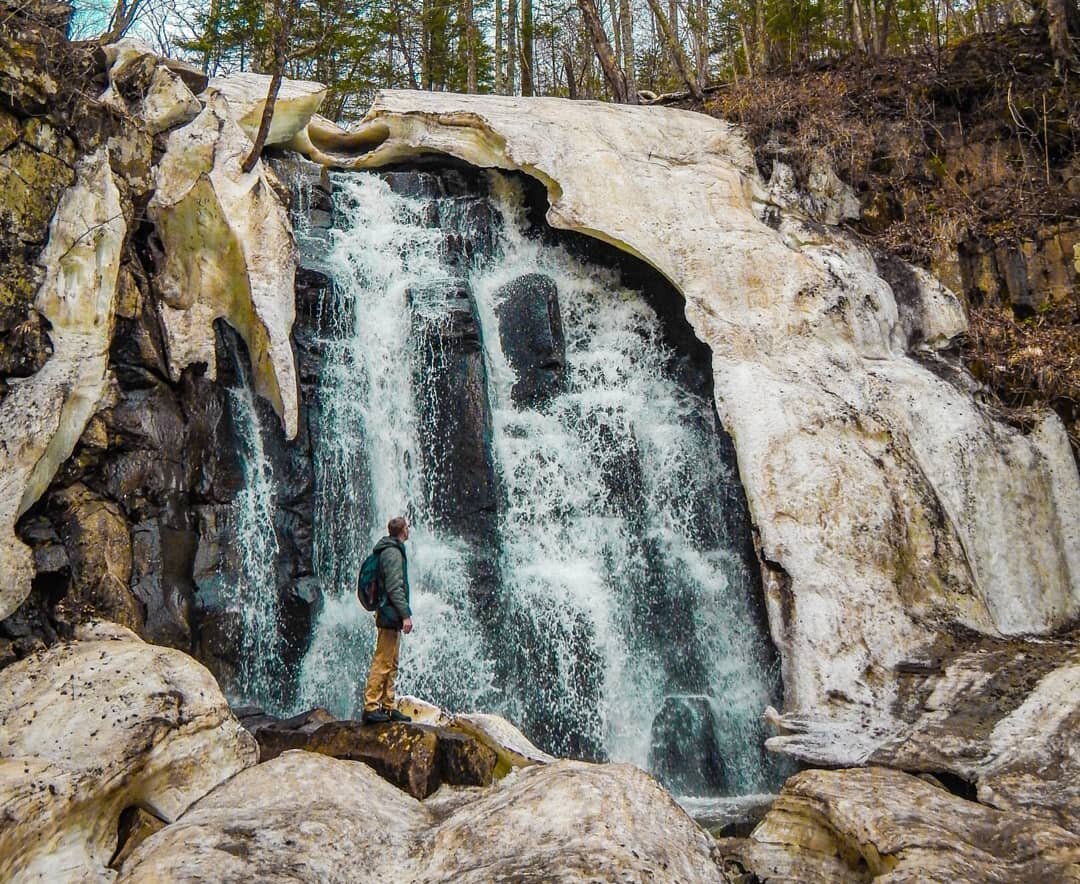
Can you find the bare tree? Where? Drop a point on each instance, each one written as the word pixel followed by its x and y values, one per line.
pixel 613 74
pixel 675 51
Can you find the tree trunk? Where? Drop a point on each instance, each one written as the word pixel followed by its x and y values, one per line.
pixel 571 77
pixel 527 60
pixel 761 44
pixel 123 17
pixel 616 30
pixel 1057 23
pixel 748 53
pixel 471 39
pixel 626 22
pixel 511 46
pixel 881 30
pixel 613 74
pixel 698 18
pixel 283 19
pixel 500 83
pixel 213 22
pixel 426 75
pixel 675 50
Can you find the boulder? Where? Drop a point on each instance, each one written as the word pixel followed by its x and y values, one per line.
pixel 228 253
pixel 895 513
pixel 1003 715
pixel 246 94
pixel 510 745
pixel 42 418
pixel 337 821
pixel 417 758
pixel 877 824
pixel 530 329
pixel 148 86
pixel 91 728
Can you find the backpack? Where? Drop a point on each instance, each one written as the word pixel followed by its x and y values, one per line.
pixel 368 587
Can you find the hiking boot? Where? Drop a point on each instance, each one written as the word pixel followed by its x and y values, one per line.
pixel 376 717
pixel 399 716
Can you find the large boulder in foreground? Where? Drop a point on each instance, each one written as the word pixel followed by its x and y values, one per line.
pixel 873 823
pixel 337 821
pixel 91 728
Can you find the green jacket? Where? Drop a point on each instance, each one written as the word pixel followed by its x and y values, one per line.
pixel 394 579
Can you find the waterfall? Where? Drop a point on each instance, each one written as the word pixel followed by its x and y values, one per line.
pixel 255 601
pixel 579 556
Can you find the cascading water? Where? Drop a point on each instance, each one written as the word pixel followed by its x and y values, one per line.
pixel 255 602
pixel 579 547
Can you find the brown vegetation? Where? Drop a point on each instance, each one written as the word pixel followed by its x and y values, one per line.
pixel 966 162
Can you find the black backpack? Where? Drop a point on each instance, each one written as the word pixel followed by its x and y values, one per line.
pixel 368 587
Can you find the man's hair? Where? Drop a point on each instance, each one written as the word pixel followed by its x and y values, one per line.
pixel 396 526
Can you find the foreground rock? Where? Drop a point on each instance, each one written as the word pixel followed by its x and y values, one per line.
pixel 415 757
pixel 328 820
pixel 897 516
pixel 91 728
pixel 874 823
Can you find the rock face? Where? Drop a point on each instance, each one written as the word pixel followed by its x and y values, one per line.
pixel 884 825
pixel 330 820
pixel 228 253
pixel 93 727
pixel 120 457
pixel 43 417
pixel 532 337
pixel 415 757
pixel 895 514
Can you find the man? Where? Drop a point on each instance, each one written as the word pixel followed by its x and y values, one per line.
pixel 393 617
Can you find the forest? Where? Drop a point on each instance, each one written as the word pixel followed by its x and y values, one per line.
pixel 620 50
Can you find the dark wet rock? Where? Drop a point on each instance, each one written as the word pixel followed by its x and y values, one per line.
pixel 530 329
pixel 462 760
pixel 135 826
pixel 455 417
pixel 684 752
pixel 470 225
pixel 25 347
pixel 193 76
pixel 415 758
pixel 414 184
pixel 95 535
pixel 162 557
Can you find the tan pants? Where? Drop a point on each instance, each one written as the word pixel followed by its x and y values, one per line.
pixel 384 665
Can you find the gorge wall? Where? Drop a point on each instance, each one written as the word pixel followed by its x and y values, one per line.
pixel 920 557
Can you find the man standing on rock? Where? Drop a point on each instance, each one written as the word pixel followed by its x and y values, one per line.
pixel 394 616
